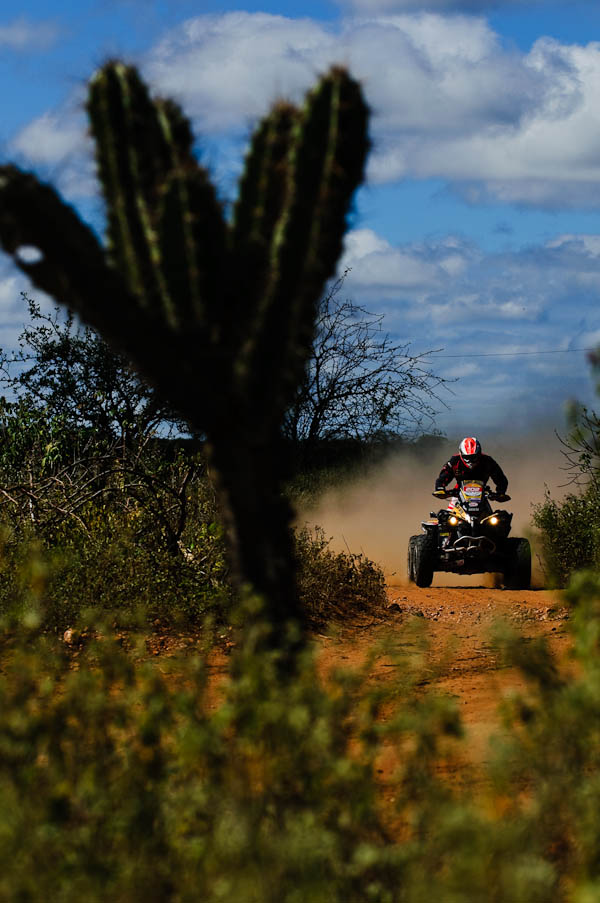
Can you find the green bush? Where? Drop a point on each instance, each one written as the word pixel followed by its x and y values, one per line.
pixel 551 759
pixel 118 781
pixel 122 564
pixel 569 533
pixel 127 779
pixel 115 557
pixel 336 585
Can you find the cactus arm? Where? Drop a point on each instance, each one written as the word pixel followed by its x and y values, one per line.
pixel 343 157
pixel 165 224
pixel 262 195
pixel 263 185
pixel 72 267
pixel 326 169
pixel 130 149
pixel 193 236
pixel 326 165
pixel 73 270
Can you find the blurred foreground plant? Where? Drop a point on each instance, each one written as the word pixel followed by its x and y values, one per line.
pixel 123 780
pixel 218 317
pixel 123 777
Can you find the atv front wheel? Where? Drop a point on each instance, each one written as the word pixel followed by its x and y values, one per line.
pixel 423 558
pixel 517 573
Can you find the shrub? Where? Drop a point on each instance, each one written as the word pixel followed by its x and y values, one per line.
pixel 569 533
pixel 121 779
pixel 120 782
pixel 336 585
pixel 122 564
pixel 552 758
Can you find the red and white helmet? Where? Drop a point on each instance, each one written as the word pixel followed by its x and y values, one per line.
pixel 470 451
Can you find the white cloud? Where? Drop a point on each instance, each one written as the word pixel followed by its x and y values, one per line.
pixel 580 243
pixel 543 298
pixel 544 155
pixel 226 70
pixel 23 34
pixel 417 70
pixel 52 138
pixel 468 6
pixel 58 145
pixel 13 310
pixel 450 101
pixel 384 271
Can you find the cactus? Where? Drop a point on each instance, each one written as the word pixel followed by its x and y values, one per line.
pixel 218 316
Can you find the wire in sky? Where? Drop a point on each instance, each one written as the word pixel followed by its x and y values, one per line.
pixel 515 353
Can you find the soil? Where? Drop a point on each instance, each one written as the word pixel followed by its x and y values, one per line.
pixel 458 622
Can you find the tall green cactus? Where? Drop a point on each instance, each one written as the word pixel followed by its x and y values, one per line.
pixel 217 316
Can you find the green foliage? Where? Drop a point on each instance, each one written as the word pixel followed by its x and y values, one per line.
pixel 336 585
pixel 115 557
pixel 122 780
pixel 119 565
pixel 570 528
pixel 554 746
pixel 569 533
pixel 121 776
pixel 76 380
pixel 218 317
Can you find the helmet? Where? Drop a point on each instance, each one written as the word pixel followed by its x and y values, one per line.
pixel 470 451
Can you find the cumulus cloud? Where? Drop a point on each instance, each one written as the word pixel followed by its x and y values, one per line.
pixel 451 295
pixel 227 69
pixel 467 6
pixel 23 34
pixel 58 145
pixel 450 100
pixel 13 310
pixel 418 71
pixel 51 138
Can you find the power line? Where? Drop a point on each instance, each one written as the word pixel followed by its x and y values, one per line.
pixel 517 353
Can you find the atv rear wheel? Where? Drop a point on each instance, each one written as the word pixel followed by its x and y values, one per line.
pixel 517 573
pixel 411 558
pixel 423 558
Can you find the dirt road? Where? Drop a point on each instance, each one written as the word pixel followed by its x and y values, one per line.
pixel 459 622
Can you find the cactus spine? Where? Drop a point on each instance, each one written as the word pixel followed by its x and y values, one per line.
pixel 217 316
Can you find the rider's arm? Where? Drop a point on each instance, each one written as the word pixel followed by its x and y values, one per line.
pixel 446 474
pixel 498 476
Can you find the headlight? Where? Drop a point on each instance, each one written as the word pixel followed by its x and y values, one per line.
pixel 493 520
pixel 453 520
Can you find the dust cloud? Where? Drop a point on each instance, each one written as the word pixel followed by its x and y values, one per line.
pixel 376 514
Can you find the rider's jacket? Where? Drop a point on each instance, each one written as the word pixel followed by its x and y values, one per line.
pixel 485 468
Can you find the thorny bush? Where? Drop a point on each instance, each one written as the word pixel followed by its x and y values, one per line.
pixel 126 778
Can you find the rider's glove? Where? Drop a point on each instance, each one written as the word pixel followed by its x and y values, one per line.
pixel 440 493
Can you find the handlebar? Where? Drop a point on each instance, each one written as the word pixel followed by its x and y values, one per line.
pixel 490 494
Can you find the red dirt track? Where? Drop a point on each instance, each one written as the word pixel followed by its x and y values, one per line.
pixel 458 623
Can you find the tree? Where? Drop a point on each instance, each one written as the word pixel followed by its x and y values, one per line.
pixel 79 425
pixel 359 384
pixel 71 374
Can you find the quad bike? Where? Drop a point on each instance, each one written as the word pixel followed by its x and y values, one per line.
pixel 468 537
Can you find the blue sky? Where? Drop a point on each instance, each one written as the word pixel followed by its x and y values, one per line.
pixel 478 229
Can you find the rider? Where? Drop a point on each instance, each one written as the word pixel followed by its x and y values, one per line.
pixel 471 463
